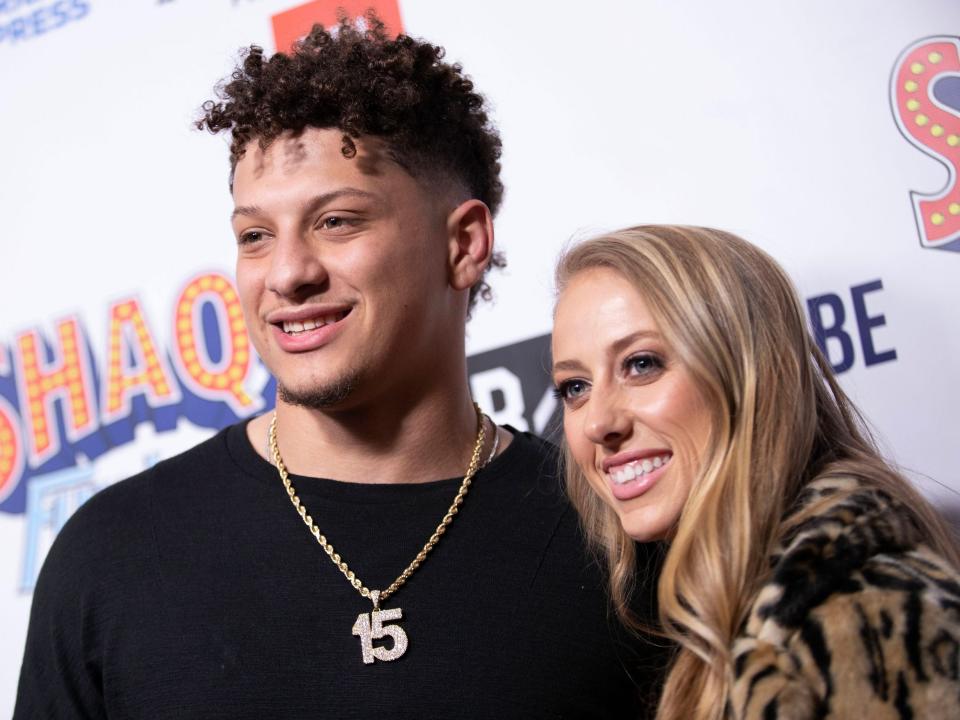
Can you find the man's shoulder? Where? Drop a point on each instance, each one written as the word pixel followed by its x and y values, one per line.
pixel 532 456
pixel 531 466
pixel 182 469
pixel 119 508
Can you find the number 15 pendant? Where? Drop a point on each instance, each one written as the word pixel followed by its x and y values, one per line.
pixel 370 627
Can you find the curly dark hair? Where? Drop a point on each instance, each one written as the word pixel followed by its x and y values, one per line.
pixel 363 82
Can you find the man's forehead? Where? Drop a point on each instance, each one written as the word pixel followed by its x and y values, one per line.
pixel 291 152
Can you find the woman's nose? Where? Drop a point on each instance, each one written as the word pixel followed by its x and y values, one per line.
pixel 607 421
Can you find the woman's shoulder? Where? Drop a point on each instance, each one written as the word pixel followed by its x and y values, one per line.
pixel 858 616
pixel 887 642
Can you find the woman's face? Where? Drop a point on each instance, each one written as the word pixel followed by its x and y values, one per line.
pixel 633 418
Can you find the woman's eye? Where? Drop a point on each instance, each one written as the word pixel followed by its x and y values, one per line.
pixel 643 364
pixel 570 390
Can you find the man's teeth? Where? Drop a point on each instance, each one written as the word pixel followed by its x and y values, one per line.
pixel 293 327
pixel 638 468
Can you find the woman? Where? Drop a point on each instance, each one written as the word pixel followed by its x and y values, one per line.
pixel 804 577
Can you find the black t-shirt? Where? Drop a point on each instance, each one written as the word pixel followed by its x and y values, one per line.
pixel 194 590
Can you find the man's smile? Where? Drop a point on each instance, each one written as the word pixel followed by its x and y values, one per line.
pixel 305 329
pixel 295 327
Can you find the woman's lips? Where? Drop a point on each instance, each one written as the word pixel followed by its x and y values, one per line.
pixel 634 477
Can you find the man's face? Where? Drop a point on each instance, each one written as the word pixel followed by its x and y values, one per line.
pixel 341 267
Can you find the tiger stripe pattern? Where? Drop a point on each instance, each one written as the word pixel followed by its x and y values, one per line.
pixel 858 620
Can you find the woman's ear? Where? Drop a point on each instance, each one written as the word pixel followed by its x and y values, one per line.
pixel 470 243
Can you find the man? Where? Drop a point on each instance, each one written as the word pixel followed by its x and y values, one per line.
pixel 322 562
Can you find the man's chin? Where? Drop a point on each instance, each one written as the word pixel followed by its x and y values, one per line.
pixel 318 397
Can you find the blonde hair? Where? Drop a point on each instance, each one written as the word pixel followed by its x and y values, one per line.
pixel 779 420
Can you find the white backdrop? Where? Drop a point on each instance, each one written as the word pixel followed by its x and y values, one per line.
pixel 794 124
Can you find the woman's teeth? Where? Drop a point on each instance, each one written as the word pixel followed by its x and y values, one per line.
pixel 638 468
pixel 293 327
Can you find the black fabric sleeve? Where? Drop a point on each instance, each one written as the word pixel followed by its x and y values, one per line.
pixel 60 676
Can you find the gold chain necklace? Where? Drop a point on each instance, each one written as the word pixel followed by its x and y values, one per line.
pixel 370 627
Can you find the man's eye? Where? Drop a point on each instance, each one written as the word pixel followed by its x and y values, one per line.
pixel 333 222
pixel 251 236
pixel 570 390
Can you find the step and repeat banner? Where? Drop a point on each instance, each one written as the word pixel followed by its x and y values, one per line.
pixel 828 133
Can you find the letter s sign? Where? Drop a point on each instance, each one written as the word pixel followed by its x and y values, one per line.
pixel 925 94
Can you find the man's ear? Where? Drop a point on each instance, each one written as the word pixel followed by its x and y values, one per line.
pixel 470 243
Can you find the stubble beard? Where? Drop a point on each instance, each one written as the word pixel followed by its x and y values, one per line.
pixel 319 398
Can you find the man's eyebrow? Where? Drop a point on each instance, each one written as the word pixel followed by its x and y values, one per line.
pixel 311 205
pixel 247 210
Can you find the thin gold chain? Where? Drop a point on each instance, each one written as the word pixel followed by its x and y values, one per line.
pixel 421 556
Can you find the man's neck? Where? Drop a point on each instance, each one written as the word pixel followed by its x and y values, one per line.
pixel 430 438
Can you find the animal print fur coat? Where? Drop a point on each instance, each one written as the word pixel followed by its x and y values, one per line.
pixel 859 620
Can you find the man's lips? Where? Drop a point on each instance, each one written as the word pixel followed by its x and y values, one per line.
pixel 305 329
pixel 304 313
pixel 293 327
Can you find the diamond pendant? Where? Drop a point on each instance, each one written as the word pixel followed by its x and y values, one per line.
pixel 370 627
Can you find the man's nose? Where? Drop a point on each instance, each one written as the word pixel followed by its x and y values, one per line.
pixel 296 267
